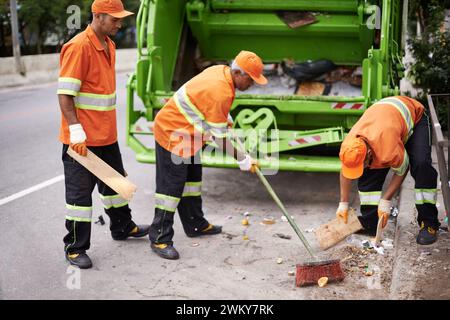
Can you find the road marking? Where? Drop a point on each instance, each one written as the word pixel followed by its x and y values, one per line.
pixel 31 190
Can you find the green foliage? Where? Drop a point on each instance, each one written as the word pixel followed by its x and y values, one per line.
pixel 39 19
pixel 431 51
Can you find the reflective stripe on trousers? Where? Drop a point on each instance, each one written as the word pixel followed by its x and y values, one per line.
pixel 114 201
pixel 192 189
pixel 423 196
pixel 165 202
pixel 78 213
pixel 370 198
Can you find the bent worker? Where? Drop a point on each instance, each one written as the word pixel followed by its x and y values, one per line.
pixel 87 98
pixel 197 110
pixel 393 133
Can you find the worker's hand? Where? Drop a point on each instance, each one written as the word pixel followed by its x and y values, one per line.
pixel 248 164
pixel 384 210
pixel 342 211
pixel 78 139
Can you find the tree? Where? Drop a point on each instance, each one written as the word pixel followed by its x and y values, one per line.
pixel 431 52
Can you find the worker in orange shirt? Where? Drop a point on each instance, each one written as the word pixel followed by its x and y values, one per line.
pixel 87 98
pixel 393 133
pixel 197 111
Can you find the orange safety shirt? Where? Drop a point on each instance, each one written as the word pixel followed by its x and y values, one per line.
pixel 200 107
pixel 88 74
pixel 386 127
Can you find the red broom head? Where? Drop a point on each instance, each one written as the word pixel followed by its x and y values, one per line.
pixel 309 273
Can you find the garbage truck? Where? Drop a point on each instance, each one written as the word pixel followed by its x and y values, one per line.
pixel 177 39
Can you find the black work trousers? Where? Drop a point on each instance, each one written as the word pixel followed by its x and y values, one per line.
pixel 371 182
pixel 178 186
pixel 79 184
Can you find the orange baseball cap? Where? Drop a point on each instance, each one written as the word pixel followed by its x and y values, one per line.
pixel 352 154
pixel 251 64
pixel 114 8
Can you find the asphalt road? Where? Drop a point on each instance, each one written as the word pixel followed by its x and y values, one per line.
pixel 32 264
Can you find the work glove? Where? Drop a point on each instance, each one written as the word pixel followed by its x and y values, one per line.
pixel 342 211
pixel 384 210
pixel 248 164
pixel 78 139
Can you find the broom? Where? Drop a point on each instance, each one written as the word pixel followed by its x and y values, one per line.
pixel 310 272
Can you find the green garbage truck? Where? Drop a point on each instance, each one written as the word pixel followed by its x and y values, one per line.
pixel 294 131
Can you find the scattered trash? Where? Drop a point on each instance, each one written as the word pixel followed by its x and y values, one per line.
pixel 280 260
pixel 269 220
pixel 282 236
pixel 368 272
pixel 309 230
pixel 394 212
pixel 306 70
pixel 245 222
pixel 366 244
pixel 379 250
pixel 284 219
pixel 100 220
pixel 311 88
pixel 247 214
pixel 322 282
pixel 291 273
pixel 195 244
pixel 246 238
pixel 387 243
pixel 229 236
pixel 425 253
pixel 295 19
pixel 229 217
pixel 436 250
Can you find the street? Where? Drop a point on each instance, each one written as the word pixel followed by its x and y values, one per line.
pixel 225 266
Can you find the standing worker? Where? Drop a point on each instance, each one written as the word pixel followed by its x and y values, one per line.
pixel 392 133
pixel 198 110
pixel 87 97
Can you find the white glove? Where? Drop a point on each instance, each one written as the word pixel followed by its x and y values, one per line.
pixel 342 211
pixel 384 206
pixel 246 163
pixel 77 134
pixel 384 210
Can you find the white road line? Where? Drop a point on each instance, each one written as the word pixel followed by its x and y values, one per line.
pixel 31 190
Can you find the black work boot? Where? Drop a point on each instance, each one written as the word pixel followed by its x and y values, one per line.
pixel 81 260
pixel 209 230
pixel 427 235
pixel 166 251
pixel 138 231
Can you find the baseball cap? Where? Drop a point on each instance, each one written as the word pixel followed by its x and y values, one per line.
pixel 251 64
pixel 114 8
pixel 352 154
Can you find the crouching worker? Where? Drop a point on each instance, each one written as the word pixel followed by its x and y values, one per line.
pixel 393 133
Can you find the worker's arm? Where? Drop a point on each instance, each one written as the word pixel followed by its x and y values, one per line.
pixel 384 206
pixel 226 145
pixel 394 186
pixel 67 106
pixel 77 134
pixel 342 211
pixel 245 161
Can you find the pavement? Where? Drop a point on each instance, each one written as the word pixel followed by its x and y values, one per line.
pixel 219 267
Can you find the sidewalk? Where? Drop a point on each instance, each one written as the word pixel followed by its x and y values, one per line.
pixel 420 272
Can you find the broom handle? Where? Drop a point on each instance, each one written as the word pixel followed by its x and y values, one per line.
pixel 279 203
pixel 286 214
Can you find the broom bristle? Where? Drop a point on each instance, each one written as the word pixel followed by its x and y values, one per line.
pixel 309 273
